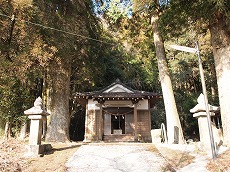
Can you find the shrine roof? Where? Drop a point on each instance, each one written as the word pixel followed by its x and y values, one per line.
pixel 117 91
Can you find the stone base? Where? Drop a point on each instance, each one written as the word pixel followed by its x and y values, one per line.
pixel 156 136
pixel 87 141
pixel 37 150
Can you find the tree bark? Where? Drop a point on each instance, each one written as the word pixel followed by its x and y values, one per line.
pixel 23 130
pixel 220 37
pixel 174 130
pixel 44 129
pixel 58 123
pixel 7 133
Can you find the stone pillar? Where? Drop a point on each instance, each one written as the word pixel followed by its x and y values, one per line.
pixel 203 130
pixel 35 129
pixel 37 115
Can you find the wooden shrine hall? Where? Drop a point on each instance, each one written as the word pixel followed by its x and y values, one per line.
pixel 117 113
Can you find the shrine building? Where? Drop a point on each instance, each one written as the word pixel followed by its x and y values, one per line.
pixel 117 113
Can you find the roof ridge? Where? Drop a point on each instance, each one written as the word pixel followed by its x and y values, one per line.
pixel 117 81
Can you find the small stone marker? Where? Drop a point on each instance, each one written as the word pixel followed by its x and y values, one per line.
pixel 37 115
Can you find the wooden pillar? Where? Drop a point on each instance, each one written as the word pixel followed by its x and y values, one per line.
pixel 150 127
pixel 100 123
pixel 135 121
pixel 86 123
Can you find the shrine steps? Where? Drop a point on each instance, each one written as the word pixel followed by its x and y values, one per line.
pixel 118 138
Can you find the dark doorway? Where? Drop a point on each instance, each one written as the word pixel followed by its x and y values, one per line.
pixel 77 124
pixel 117 120
pixel 117 123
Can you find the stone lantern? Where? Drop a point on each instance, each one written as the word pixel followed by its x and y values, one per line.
pixel 37 115
pixel 199 112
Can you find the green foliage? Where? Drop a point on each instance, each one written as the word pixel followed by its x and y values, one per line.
pixel 18 63
pixel 125 52
pixel 185 101
pixel 117 10
pixel 158 115
pixel 44 33
pixel 181 16
pixel 14 99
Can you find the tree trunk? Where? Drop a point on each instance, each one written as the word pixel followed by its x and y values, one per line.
pixel 44 129
pixel 214 89
pixel 174 130
pixel 7 133
pixel 59 82
pixel 23 130
pixel 220 37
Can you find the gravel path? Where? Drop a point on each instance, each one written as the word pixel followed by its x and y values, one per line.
pixel 115 158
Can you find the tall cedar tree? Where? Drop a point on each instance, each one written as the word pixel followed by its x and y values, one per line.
pixel 174 129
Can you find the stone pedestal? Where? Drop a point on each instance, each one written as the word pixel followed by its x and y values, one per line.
pixel 36 127
pixel 37 115
pixel 203 130
pixel 199 112
pixel 37 150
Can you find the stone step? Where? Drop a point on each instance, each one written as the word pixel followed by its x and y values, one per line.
pixel 118 138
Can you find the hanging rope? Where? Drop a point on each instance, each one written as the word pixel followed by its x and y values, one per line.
pixel 164 138
pixel 117 114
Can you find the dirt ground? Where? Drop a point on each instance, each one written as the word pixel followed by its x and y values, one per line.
pixel 54 160
pixel 12 158
pixel 221 164
pixel 11 155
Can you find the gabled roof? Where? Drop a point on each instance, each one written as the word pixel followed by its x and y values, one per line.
pixel 117 91
pixel 117 84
